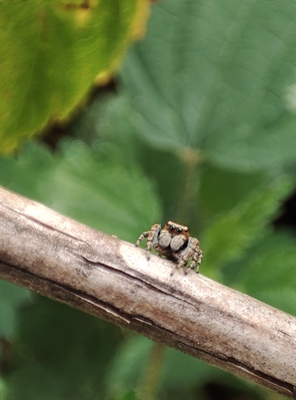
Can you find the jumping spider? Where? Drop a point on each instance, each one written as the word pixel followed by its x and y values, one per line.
pixel 175 243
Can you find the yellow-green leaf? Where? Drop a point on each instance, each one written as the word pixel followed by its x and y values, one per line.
pixel 51 52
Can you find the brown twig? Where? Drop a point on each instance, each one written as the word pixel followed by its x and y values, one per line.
pixel 111 279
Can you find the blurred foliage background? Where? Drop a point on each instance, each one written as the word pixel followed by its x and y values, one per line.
pixel 198 127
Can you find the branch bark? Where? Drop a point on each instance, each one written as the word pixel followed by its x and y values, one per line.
pixel 62 259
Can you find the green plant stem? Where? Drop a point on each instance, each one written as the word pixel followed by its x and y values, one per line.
pixel 190 159
pixel 149 383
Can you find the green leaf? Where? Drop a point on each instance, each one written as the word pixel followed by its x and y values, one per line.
pixel 221 190
pixel 270 271
pixel 51 53
pixel 193 372
pixel 12 297
pixel 2 389
pixel 62 353
pixel 131 395
pixel 128 365
pixel 115 130
pixel 232 232
pixel 217 76
pixel 101 193
pixel 179 375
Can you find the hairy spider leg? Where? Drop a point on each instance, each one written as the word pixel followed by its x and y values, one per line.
pixel 151 236
pixel 196 260
pixel 193 252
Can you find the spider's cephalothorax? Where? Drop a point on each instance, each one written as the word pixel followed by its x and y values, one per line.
pixel 175 243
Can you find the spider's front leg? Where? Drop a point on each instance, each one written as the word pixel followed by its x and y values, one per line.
pixel 193 252
pixel 196 261
pixel 151 236
pixel 197 255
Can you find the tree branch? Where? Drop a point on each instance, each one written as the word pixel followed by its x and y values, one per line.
pixel 62 259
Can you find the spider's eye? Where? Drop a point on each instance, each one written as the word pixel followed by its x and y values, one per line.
pixel 172 227
pixel 179 229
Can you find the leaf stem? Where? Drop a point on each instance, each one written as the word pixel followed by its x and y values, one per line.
pixel 149 383
pixel 190 159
